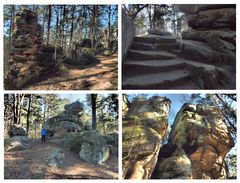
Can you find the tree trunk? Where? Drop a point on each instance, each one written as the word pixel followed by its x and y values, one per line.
pixel 56 38
pixel 71 33
pixel 28 112
pixel 93 24
pixel 109 27
pixel 94 119
pixel 63 25
pixel 49 22
pixel 11 27
pixel 150 16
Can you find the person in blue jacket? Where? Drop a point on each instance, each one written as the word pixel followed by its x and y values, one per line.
pixel 44 135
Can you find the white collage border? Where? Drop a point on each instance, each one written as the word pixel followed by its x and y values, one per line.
pixel 119 91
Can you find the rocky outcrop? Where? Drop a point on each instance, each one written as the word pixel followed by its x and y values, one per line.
pixel 16 143
pixel 128 33
pixel 29 58
pixel 144 128
pixel 211 39
pixel 197 145
pixel 16 130
pixel 55 158
pixel 94 148
pixel 66 122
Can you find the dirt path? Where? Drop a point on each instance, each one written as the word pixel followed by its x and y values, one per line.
pixel 102 76
pixel 32 164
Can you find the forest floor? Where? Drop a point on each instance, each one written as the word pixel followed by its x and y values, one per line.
pixel 31 164
pixel 102 76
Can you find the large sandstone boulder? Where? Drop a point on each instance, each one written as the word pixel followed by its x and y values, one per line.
pixel 55 158
pixel 144 128
pixel 74 107
pixel 94 148
pixel 128 30
pixel 16 130
pixel 214 18
pixel 16 143
pixel 176 166
pixel 201 132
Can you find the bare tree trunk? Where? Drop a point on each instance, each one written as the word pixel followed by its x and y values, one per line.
pixel 56 38
pixel 71 33
pixel 150 15
pixel 109 27
pixel 29 112
pixel 94 118
pixel 63 25
pixel 49 22
pixel 93 25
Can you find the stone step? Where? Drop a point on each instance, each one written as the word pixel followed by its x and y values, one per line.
pixel 133 67
pixel 154 39
pixel 163 80
pixel 150 55
pixel 155 47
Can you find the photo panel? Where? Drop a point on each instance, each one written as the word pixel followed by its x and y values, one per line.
pixel 61 47
pixel 179 136
pixel 179 46
pixel 60 136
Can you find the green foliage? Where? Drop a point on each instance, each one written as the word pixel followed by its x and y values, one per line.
pixel 88 51
pixel 62 69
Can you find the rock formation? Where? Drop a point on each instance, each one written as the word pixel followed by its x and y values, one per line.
pixel 55 158
pixel 204 59
pixel 144 128
pixel 67 130
pixel 28 57
pixel 68 121
pixel 94 148
pixel 128 33
pixel 18 139
pixel 198 143
pixel 211 38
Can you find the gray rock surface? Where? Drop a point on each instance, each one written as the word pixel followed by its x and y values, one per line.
pixel 128 33
pixel 55 158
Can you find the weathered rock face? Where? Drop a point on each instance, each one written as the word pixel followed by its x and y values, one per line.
pixel 26 57
pixel 94 148
pixel 200 135
pixel 66 122
pixel 17 130
pixel 55 158
pixel 128 33
pixel 144 127
pixel 212 37
pixel 16 143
